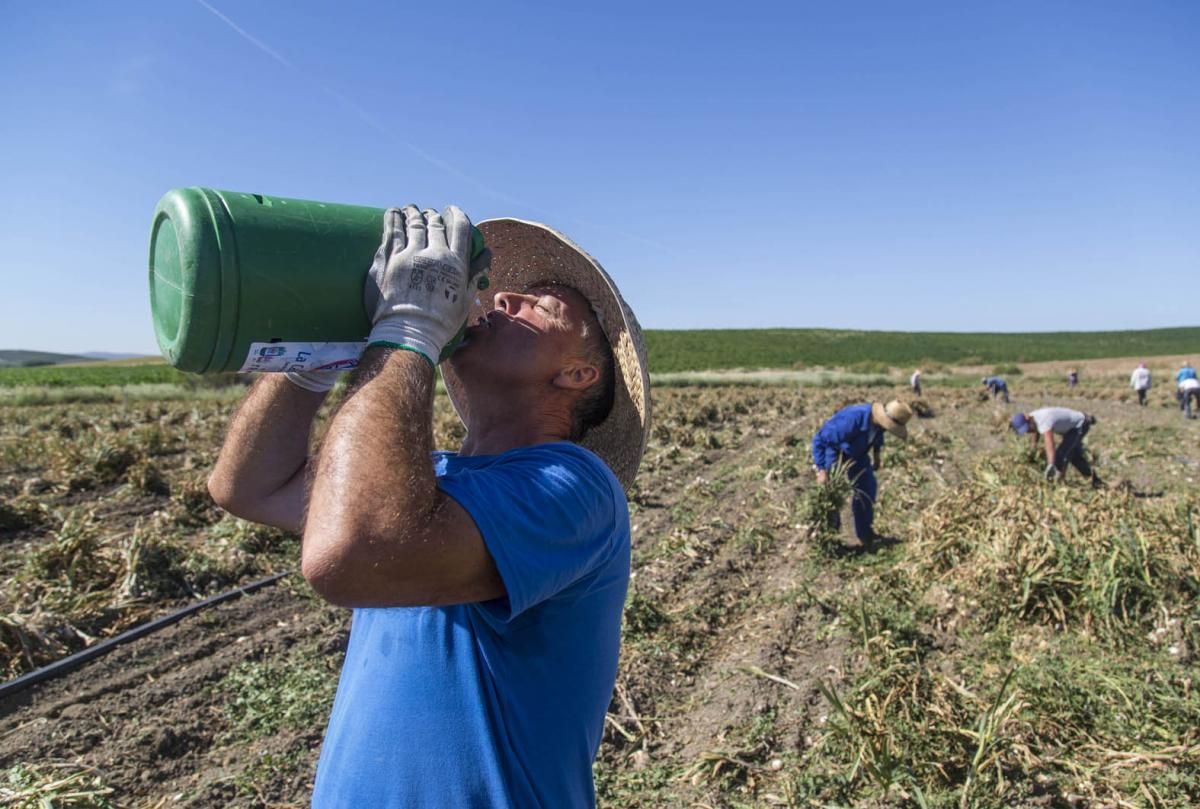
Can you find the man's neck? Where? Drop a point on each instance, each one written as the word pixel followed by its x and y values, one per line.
pixel 499 424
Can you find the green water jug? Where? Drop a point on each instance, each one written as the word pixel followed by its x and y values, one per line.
pixel 248 282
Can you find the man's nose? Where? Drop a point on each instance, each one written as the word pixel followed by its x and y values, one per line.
pixel 509 302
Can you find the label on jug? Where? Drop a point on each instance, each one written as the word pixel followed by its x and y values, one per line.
pixel 280 357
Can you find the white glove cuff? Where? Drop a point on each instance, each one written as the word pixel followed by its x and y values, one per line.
pixel 316 381
pixel 404 334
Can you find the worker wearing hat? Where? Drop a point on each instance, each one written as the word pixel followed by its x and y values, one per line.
pixel 487 584
pixel 997 386
pixel 849 437
pixel 1072 425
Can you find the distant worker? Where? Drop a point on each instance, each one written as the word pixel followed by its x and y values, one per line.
pixel 1183 391
pixel 997 386
pixel 915 381
pixel 1072 425
pixel 1140 380
pixel 848 437
pixel 1072 378
pixel 1189 393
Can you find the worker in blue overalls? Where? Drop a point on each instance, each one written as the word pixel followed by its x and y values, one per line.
pixel 997 386
pixel 854 436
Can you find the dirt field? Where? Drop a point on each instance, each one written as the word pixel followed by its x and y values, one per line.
pixel 763 664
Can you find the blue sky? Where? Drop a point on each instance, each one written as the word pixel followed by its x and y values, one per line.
pixel 902 165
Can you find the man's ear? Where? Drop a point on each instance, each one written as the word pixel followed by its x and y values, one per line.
pixel 577 375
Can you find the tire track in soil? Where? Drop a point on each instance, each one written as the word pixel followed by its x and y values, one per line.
pixel 145 716
pixel 777 630
pixel 741 590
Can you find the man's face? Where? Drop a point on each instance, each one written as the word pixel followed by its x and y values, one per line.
pixel 527 335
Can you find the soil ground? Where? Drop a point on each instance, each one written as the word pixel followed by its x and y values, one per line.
pixel 728 623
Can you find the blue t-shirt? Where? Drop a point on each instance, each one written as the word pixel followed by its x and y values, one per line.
pixel 848 432
pixel 500 703
pixel 1186 372
pixel 995 383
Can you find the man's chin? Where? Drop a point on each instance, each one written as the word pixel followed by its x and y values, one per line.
pixel 465 349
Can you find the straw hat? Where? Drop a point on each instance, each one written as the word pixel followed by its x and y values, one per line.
pixel 893 417
pixel 526 253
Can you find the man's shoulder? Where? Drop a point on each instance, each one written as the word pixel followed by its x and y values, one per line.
pixel 1052 415
pixel 564 460
pixel 850 415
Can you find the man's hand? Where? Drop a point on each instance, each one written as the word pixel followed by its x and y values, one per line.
pixel 1052 473
pixel 418 291
pixel 822 476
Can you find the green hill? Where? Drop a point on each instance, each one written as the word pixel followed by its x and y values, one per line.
pixel 790 348
pixel 11 358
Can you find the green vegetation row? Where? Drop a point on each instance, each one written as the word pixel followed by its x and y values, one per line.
pixel 672 351
pixel 105 376
pixel 91 375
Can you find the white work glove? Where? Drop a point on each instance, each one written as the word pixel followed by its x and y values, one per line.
pixel 420 285
pixel 1052 472
pixel 316 381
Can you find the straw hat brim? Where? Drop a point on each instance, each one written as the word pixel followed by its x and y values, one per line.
pixel 879 413
pixel 526 253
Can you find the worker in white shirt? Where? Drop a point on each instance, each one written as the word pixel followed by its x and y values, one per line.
pixel 1189 394
pixel 1072 425
pixel 1140 380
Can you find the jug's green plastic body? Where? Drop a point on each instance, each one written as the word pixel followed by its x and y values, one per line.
pixel 236 278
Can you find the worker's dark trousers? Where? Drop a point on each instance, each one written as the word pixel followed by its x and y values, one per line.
pixel 1188 398
pixel 1000 392
pixel 917 388
pixel 1141 397
pixel 1070 451
pixel 865 489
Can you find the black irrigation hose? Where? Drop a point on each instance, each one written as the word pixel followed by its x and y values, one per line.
pixel 72 662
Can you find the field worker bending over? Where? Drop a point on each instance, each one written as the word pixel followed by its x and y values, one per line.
pixel 1189 395
pixel 1186 372
pixel 1072 425
pixel 848 437
pixel 915 382
pixel 1140 380
pixel 997 386
pixel 486 585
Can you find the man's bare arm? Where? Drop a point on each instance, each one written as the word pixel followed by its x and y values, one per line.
pixel 260 472
pixel 1048 446
pixel 379 532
